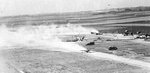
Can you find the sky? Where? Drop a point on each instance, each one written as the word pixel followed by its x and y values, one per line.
pixel 23 7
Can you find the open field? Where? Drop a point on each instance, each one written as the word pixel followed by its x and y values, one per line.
pixel 42 61
pixel 139 15
pixel 47 43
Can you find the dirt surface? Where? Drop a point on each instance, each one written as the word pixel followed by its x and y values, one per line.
pixel 126 47
pixel 43 61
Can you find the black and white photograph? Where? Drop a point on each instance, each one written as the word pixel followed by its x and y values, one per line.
pixel 74 36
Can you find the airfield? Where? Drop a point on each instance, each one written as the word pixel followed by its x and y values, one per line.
pixel 50 43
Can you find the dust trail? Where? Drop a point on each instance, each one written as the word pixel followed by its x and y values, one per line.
pixel 43 36
pixel 100 55
pixel 40 37
pixel 47 37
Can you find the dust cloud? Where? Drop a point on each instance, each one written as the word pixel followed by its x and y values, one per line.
pixel 42 35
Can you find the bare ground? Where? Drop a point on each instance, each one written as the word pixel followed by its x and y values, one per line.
pixel 43 61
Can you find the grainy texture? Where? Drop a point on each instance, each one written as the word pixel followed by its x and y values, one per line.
pixel 42 61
